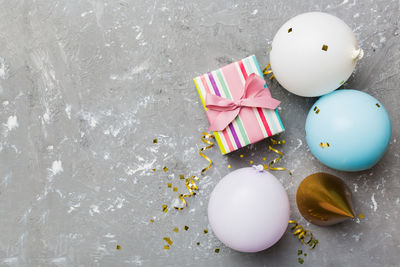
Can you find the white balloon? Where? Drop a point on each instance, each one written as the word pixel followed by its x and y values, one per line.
pixel 313 54
pixel 249 210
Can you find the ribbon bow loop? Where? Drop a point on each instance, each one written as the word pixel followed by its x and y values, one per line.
pixel 222 111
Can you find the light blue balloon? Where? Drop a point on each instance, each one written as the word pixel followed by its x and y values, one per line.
pixel 348 130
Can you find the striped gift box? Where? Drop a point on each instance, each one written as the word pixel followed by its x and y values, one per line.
pixel 229 81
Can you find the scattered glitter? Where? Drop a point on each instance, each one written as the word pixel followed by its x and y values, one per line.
pixel 164 208
pixel 205 231
pixel 217 250
pixel 169 185
pixel 175 189
pixel 168 240
pixel 166 247
pixel 186 227
pixel 229 166
pixel 176 230
pixel 118 247
pixel 155 141
pixel 181 176
pixel 165 168
pixel 361 216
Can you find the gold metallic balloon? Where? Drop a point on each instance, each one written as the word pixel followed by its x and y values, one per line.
pixel 324 199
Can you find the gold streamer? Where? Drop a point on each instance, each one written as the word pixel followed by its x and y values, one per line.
pixel 190 182
pixel 276 142
pixel 303 235
pixel 267 70
pixel 210 145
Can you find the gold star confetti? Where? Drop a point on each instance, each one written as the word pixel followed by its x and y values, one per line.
pixel 118 247
pixel 164 208
pixel 175 189
pixel 155 141
pixel 361 216
pixel 251 162
pixel 165 168
pixel 241 156
pixel 186 227
pixel 205 231
pixel 229 166
pixel 176 230
pixel 216 250
pixel 169 185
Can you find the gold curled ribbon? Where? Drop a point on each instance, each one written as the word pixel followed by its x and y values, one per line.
pixel 303 235
pixel 276 142
pixel 267 70
pixel 190 182
pixel 205 138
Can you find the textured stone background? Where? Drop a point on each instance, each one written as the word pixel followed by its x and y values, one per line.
pixel 85 86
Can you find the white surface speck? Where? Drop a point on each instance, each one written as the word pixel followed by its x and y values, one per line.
pixel 12 123
pixel 68 110
pixel 374 205
pixel 3 69
pixel 255 11
pixel 56 167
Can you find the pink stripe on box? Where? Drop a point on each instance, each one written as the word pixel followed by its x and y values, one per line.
pixel 247 115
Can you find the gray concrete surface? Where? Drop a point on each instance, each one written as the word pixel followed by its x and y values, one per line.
pixel 85 87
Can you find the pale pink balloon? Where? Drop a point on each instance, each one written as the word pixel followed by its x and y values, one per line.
pixel 249 209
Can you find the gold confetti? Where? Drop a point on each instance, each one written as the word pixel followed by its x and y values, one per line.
pixel 198 243
pixel 168 240
pixel 175 189
pixel 303 235
pixel 326 144
pixel 154 170
pixel 118 247
pixel 166 247
pixel 216 250
pixel 169 185
pixel 186 227
pixel 241 156
pixel 378 105
pixel 361 216
pixel 176 230
pixel 181 176
pixel 155 141
pixel 152 221
pixel 301 261
pixel 299 252
pixel 325 47
pixel 164 208
pixel 276 142
pixel 289 30
pixel 264 159
pixel 251 162
pixel 205 231
pixel 165 168
pixel 229 166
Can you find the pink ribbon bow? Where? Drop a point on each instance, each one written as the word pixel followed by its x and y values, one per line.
pixel 222 111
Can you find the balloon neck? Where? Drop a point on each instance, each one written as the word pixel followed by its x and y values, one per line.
pixel 358 54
